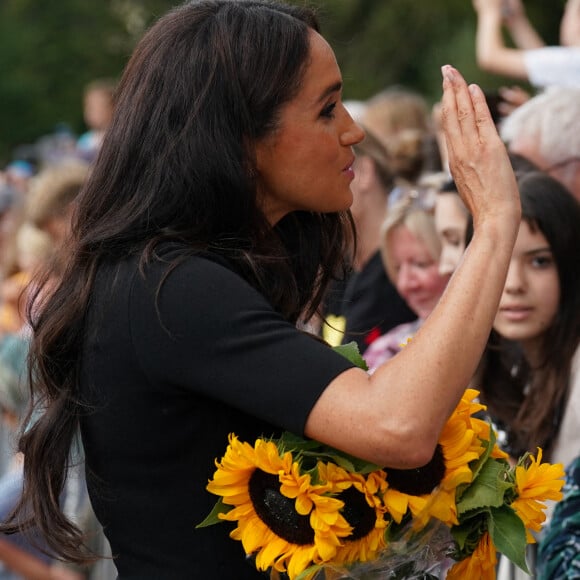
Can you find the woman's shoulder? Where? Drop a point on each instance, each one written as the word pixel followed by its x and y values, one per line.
pixel 169 260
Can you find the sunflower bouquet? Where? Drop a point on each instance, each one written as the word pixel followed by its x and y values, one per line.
pixel 309 511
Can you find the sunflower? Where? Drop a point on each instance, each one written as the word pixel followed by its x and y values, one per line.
pixel 535 483
pixel 483 430
pixel 300 506
pixel 363 510
pixel 480 565
pixel 275 527
pixel 430 491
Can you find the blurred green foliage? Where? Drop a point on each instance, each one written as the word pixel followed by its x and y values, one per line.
pixel 385 42
pixel 50 50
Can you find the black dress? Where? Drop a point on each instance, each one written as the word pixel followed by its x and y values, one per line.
pixel 166 377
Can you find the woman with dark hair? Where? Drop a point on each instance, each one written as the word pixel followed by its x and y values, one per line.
pixel 215 215
pixel 529 375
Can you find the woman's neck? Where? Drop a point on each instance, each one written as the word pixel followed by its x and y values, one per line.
pixel 533 351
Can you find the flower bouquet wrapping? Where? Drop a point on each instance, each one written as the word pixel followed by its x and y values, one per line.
pixel 305 510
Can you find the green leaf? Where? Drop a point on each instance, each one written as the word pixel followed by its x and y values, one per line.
pixel 468 533
pixel 294 443
pixel 476 466
pixel 509 535
pixel 488 489
pixel 351 352
pixel 308 571
pixel 212 518
pixel 343 461
pixel 312 451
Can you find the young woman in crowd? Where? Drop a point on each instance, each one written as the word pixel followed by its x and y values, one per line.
pixel 451 223
pixel 214 216
pixel 529 377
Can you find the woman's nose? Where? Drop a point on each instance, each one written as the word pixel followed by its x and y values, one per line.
pixel 352 132
pixel 515 280
pixel 405 280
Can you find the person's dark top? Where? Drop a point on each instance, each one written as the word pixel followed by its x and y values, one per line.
pixel 167 377
pixel 370 304
pixel 559 544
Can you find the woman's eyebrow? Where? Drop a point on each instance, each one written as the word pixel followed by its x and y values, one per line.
pixel 336 87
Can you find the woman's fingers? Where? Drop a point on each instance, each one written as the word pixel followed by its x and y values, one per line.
pixel 477 157
pixel 511 99
pixel 484 124
pixel 449 117
pixel 465 111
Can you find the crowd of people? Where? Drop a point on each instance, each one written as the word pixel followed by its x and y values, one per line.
pixel 38 191
pixel 162 273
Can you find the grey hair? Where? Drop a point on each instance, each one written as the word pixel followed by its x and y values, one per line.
pixel 551 120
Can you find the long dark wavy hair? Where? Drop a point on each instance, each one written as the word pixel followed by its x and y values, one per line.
pixel 528 402
pixel 177 163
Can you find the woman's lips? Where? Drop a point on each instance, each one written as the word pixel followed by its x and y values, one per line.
pixel 515 313
pixel 348 169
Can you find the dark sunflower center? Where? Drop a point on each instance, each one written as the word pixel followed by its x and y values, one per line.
pixel 419 481
pixel 358 513
pixel 277 511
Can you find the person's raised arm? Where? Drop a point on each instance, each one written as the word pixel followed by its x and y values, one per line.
pixel 520 28
pixel 394 417
pixel 491 52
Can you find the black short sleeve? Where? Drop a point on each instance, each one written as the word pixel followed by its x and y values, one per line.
pixel 174 360
pixel 215 335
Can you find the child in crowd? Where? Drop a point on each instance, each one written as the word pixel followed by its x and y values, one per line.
pixel 98 106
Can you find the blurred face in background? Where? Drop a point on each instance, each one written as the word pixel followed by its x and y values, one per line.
pixel 451 223
pixel 415 271
pixel 531 294
pixel 98 109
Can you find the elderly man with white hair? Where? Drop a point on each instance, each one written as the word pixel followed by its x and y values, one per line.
pixel 546 130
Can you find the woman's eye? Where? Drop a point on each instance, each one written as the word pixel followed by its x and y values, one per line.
pixel 452 239
pixel 328 111
pixel 542 261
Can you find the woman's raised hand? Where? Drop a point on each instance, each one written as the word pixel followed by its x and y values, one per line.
pixel 478 159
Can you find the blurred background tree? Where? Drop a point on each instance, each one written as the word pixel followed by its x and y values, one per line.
pixel 385 42
pixel 50 50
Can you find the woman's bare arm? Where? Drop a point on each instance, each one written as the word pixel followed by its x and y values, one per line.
pixel 395 416
pixel 491 51
pixel 520 28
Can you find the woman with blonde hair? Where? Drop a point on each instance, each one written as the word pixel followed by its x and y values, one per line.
pixel 410 249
